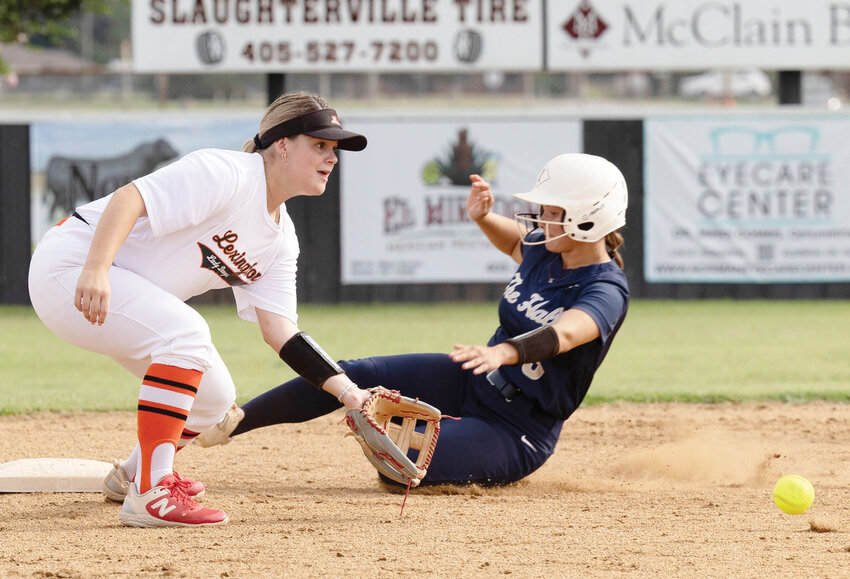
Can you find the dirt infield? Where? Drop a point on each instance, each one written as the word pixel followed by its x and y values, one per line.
pixel 637 490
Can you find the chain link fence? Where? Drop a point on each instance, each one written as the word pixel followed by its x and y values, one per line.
pixel 367 90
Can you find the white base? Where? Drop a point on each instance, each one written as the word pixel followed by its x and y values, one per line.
pixel 53 475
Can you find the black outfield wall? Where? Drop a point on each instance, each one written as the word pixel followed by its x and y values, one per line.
pixel 14 213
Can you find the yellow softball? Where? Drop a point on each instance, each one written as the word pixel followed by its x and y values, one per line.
pixel 793 494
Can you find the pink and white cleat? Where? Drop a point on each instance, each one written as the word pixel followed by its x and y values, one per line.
pixel 167 505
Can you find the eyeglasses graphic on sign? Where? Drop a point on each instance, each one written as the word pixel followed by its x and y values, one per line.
pixel 742 140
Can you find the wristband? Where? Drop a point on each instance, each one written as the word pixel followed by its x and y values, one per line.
pixel 536 345
pixel 348 389
pixel 307 358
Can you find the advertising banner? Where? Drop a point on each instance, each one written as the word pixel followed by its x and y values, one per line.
pixel 245 36
pixel 697 34
pixel 77 161
pixel 249 36
pixel 747 199
pixel 403 206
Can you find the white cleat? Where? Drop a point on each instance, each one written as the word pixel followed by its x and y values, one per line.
pixel 167 505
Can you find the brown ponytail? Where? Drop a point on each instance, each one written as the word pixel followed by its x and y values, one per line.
pixel 612 242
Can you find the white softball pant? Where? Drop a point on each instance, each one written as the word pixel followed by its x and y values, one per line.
pixel 144 325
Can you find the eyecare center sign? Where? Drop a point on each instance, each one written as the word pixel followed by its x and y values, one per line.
pixel 747 199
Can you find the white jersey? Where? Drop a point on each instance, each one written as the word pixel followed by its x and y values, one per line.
pixel 208 227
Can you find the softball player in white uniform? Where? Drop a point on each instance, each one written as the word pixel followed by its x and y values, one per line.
pixel 113 279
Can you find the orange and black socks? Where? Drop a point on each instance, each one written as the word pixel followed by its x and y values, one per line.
pixel 186 437
pixel 165 399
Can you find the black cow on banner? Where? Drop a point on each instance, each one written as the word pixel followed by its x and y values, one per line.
pixel 74 182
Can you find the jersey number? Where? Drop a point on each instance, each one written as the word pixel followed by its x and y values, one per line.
pixel 533 370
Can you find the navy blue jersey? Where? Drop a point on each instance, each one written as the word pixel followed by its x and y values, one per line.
pixel 539 292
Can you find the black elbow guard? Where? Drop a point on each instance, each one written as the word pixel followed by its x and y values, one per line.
pixel 536 345
pixel 306 357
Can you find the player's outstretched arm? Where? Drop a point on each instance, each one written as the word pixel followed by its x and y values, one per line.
pixel 308 359
pixel 572 328
pixel 500 230
pixel 482 359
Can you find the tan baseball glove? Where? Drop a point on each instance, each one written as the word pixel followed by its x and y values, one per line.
pixel 386 443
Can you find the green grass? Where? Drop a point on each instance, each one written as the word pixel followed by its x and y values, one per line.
pixel 711 351
pixel 666 351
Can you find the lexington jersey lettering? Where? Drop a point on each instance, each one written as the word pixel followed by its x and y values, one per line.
pixel 539 292
pixel 208 216
pixel 246 271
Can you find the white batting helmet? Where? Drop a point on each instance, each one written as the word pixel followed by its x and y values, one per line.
pixel 591 190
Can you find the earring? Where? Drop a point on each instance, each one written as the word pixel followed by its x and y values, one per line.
pixel 283 157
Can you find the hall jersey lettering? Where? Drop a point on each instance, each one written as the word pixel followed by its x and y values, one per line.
pixel 211 261
pixel 535 308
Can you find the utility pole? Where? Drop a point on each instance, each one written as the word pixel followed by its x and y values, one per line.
pixel 790 87
pixel 275 85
